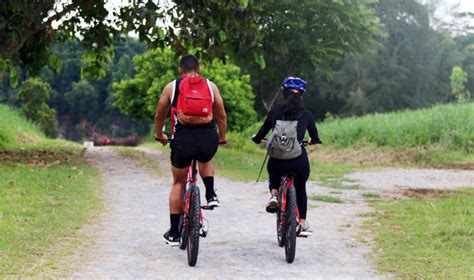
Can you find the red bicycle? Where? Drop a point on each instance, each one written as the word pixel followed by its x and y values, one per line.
pixel 287 217
pixel 191 225
pixel 287 214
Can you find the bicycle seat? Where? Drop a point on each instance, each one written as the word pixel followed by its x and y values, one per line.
pixel 289 174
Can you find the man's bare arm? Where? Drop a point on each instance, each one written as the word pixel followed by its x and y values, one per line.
pixel 219 113
pixel 162 109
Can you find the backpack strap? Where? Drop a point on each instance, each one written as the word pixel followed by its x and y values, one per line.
pixel 210 90
pixel 175 94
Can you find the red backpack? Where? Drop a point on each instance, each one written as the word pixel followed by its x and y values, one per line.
pixel 194 97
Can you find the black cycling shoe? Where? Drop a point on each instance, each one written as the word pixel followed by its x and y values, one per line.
pixel 171 240
pixel 213 202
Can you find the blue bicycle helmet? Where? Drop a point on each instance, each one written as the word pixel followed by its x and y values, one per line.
pixel 294 83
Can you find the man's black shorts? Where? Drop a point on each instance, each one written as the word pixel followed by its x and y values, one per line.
pixel 190 143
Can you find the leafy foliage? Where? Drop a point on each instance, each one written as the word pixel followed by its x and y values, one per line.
pixel 76 116
pixel 29 28
pixel 458 79
pixel 303 38
pixel 236 91
pixel 33 96
pixel 137 97
pixel 409 69
pixel 83 102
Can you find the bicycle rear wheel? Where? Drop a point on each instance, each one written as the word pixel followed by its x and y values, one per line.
pixel 194 226
pixel 290 228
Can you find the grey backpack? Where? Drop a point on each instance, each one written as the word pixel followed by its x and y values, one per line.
pixel 283 143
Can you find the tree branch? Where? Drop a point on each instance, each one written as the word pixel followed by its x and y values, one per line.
pixel 66 10
pixel 41 26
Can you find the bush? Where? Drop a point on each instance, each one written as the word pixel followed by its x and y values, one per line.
pixel 137 97
pixel 32 96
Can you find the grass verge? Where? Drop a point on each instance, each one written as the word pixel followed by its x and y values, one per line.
pixel 371 195
pixel 326 198
pixel 43 202
pixel 426 238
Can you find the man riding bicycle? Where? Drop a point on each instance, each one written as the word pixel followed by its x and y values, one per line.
pixel 292 109
pixel 192 101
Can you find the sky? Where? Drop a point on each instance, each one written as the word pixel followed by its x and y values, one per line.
pixel 465 5
pixel 444 11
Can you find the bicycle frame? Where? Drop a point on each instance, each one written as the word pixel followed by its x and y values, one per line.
pixel 287 181
pixel 191 183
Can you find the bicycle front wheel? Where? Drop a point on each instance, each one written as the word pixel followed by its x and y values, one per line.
pixel 281 228
pixel 290 228
pixel 194 226
pixel 183 232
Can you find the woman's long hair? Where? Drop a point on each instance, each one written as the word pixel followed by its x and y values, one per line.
pixel 292 104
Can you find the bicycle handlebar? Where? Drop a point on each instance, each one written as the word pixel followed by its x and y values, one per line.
pixel 168 138
pixel 303 143
pixel 164 142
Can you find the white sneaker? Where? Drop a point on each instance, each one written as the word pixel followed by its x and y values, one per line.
pixel 272 204
pixel 303 230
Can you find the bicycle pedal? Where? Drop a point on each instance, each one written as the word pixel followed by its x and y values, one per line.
pixel 205 207
pixel 203 234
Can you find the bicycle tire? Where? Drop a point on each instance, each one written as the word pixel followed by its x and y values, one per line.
pixel 183 233
pixel 290 228
pixel 281 238
pixel 194 226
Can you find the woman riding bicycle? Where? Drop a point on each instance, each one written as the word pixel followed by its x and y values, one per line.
pixel 291 108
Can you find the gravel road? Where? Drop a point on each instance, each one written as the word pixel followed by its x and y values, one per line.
pixel 127 236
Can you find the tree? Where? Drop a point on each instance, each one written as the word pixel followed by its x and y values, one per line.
pixel 305 38
pixel 137 97
pixel 32 97
pixel 29 29
pixel 83 102
pixel 458 78
pixel 62 82
pixel 409 69
pixel 236 91
pixel 465 46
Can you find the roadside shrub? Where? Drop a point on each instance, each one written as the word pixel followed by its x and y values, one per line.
pixel 32 97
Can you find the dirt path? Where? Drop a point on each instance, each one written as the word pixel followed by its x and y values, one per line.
pixel 392 179
pixel 127 240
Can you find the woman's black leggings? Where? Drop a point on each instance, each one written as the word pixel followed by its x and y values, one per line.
pixel 299 167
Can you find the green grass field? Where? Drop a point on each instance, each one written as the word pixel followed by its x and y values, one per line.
pixel 17 133
pixel 15 130
pixel 47 193
pixel 426 238
pixel 449 125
